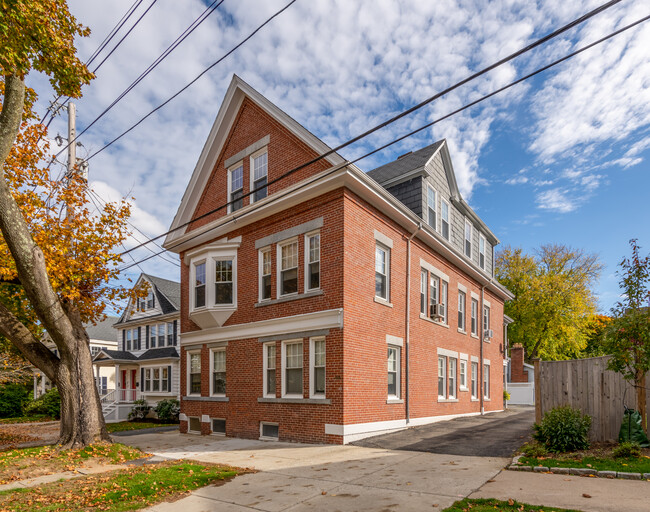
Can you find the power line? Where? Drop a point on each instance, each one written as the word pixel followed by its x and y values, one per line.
pixel 230 52
pixel 483 71
pixel 428 125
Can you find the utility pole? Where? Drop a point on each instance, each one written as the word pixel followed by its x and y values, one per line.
pixel 72 135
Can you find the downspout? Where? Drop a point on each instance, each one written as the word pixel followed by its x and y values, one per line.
pixel 407 326
pixel 481 341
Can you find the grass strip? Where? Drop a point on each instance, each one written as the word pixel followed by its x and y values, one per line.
pixel 626 464
pixel 492 505
pixel 128 489
pixel 135 425
pixel 39 418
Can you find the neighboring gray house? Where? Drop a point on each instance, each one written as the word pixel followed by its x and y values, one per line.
pixel 146 359
pixel 424 180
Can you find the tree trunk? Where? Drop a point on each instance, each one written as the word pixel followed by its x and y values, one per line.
pixel 82 421
pixel 641 399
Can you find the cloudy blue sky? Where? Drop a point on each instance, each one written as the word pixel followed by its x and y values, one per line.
pixel 561 159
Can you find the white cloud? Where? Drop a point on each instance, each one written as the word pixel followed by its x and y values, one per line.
pixel 517 180
pixel 557 200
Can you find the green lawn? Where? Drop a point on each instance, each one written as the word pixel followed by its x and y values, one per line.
pixel 492 505
pixel 135 425
pixel 129 489
pixel 24 463
pixel 627 464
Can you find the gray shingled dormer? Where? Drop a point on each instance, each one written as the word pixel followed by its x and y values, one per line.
pixel 425 182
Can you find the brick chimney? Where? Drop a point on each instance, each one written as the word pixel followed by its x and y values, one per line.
pixel 517 373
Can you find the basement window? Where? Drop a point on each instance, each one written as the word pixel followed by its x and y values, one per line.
pixel 269 431
pixel 218 426
pixel 194 425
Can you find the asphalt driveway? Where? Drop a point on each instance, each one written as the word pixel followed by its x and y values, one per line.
pixel 492 435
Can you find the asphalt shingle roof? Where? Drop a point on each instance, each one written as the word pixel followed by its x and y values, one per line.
pixel 169 293
pixel 120 354
pixel 159 353
pixel 404 164
pixel 104 330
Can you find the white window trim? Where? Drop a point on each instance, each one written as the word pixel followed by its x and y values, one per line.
pixel 160 367
pixel 387 250
pixel 213 283
pixel 398 377
pixel 212 351
pixel 448 218
pixel 229 172
pixel 260 270
pixel 278 259
pixel 474 361
pixel 251 168
pixel 445 359
pixel 461 362
pixel 471 236
pixel 188 387
pixel 283 364
pixel 263 438
pixel 193 285
pixel 435 207
pixel 481 238
pixel 306 260
pixel 455 395
pixel 486 362
pixel 463 329
pixel 312 372
pixel 265 390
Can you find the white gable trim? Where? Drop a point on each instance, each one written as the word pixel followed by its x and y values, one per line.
pixel 237 91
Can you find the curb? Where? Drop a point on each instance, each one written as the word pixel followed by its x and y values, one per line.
pixel 588 472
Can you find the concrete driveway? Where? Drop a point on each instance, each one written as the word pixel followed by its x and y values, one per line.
pixel 300 477
pixel 492 435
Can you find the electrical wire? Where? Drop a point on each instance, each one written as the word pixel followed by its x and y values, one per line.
pixel 473 76
pixel 410 134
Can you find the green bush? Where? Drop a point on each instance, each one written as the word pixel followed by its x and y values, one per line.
pixel 13 398
pixel 168 410
pixel 48 404
pixel 506 395
pixel 534 450
pixel 563 429
pixel 140 409
pixel 626 449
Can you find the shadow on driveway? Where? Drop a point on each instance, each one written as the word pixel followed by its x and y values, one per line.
pixel 493 435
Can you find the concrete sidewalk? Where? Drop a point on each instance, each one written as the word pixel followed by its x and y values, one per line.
pixel 301 477
pixel 564 491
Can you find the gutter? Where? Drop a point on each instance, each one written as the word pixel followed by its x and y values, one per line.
pixel 407 326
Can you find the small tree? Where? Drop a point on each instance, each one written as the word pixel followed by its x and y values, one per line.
pixel 628 335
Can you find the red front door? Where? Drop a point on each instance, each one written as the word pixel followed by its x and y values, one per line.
pixel 123 385
pixel 133 374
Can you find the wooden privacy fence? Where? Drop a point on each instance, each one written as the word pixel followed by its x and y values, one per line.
pixel 585 384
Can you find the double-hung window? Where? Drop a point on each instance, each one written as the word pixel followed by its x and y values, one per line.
pixel 443 300
pixel 444 218
pixel 194 373
pixel 423 292
pixel 265 274
pixel 259 168
pixel 292 381
pixel 288 256
pixel 382 271
pixel 481 251
pixel 462 375
pixel 236 185
pixel 128 339
pixel 269 369
pixel 468 239
pixel 153 336
pixel 442 377
pixel 486 321
pixel 156 379
pixel 219 372
pixel 317 367
pixel 312 261
pixel 151 300
pixel 461 310
pixel 486 381
pixel 434 290
pixel 453 362
pixel 170 334
pixel 431 207
pixel 393 372
pixel 474 380
pixel 223 277
pixel 199 285
pixel 474 317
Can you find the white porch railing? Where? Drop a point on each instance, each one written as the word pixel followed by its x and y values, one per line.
pixel 127 395
pixel 109 397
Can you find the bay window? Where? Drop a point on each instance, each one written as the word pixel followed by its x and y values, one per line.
pixel 199 285
pixel 156 379
pixel 223 277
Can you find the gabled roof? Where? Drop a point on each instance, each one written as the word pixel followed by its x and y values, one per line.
pixel 104 330
pixel 159 353
pixel 168 296
pixel 415 160
pixel 121 355
pixel 151 354
pixel 237 91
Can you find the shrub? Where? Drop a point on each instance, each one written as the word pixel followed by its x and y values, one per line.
pixel 626 449
pixel 563 429
pixel 13 398
pixel 140 409
pixel 506 395
pixel 168 410
pixel 534 450
pixel 48 404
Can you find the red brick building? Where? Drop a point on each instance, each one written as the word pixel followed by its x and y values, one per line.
pixel 330 304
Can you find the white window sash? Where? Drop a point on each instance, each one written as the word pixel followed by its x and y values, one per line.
pixel 312 367
pixel 284 368
pixel 309 261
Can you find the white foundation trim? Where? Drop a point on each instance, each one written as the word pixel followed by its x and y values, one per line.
pixel 356 431
pixel 448 353
pixel 331 318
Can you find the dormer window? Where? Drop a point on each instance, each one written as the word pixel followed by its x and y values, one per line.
pixel 259 174
pixel 236 187
pixel 211 305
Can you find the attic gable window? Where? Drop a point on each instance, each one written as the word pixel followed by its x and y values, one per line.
pixel 431 207
pixel 259 174
pixel 236 187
